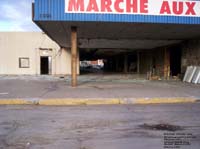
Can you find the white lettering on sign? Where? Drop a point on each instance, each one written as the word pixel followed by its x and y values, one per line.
pixel 145 7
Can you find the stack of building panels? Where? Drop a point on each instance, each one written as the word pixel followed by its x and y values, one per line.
pixel 196 77
pixel 187 73
pixel 192 75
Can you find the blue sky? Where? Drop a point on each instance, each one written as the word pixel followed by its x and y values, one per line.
pixel 16 16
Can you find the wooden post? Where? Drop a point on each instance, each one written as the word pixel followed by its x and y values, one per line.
pixel 125 63
pixel 166 64
pixel 74 56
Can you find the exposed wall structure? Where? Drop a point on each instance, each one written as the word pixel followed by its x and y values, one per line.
pixel 190 54
pixel 158 61
pixel 164 61
pixel 178 57
pixel 30 46
pixel 33 45
pixel 152 60
pixel 145 61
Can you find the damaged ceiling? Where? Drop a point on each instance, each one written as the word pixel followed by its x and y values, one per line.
pixel 103 38
pixel 120 35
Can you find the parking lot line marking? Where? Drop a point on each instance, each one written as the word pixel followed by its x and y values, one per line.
pixel 3 93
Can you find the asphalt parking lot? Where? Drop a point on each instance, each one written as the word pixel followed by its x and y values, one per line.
pixel 100 127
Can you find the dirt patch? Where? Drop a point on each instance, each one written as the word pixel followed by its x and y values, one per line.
pixel 162 127
pixel 97 87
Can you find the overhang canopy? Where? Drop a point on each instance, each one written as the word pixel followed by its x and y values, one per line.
pixel 127 30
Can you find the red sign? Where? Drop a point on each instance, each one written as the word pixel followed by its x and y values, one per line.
pixel 145 7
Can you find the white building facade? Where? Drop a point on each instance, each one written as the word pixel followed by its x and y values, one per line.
pixel 32 53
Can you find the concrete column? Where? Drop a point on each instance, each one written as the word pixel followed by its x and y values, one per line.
pixel 125 63
pixel 74 56
pixel 138 62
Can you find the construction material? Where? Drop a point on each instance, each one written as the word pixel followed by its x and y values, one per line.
pixel 155 78
pixel 192 74
pixel 199 81
pixel 196 76
pixel 186 73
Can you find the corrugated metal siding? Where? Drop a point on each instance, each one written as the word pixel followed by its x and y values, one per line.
pixel 53 10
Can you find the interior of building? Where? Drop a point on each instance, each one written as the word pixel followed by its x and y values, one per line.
pixel 155 46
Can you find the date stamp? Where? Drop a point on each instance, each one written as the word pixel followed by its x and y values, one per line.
pixel 177 140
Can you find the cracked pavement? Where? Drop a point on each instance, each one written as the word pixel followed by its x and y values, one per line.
pixel 37 87
pixel 97 127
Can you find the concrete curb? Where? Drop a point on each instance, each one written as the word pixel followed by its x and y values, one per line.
pixel 96 101
pixel 164 100
pixel 15 102
pixel 76 101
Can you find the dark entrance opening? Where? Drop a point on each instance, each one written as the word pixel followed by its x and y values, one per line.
pixel 132 62
pixel 175 60
pixel 44 65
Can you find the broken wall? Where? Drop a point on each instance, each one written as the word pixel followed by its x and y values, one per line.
pixel 190 54
pixel 145 61
pixel 152 60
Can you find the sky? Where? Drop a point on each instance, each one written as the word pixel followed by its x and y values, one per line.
pixel 16 15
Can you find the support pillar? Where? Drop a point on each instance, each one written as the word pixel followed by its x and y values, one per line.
pixel 125 63
pixel 74 56
pixel 138 62
pixel 166 64
pixel 116 64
